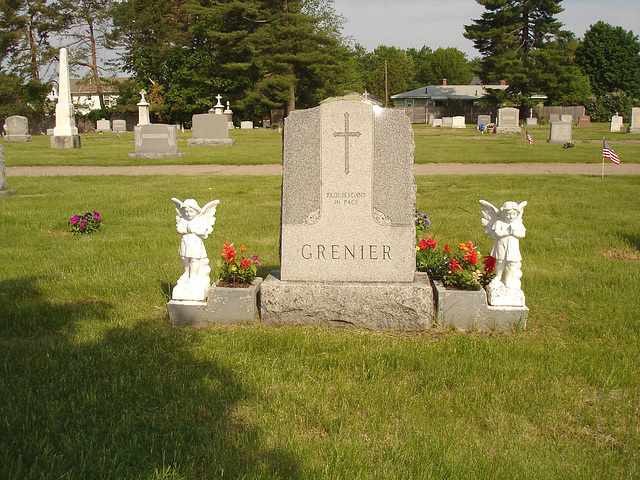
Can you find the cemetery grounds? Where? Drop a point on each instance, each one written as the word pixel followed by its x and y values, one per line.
pixel 96 383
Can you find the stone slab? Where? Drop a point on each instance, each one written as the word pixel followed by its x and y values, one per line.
pixel 17 138
pixel 484 120
pixel 566 118
pixel 447 121
pixel 66 141
pixel 246 125
pixel 469 311
pixel 208 126
pixel 156 156
pixel 508 121
pixel 560 132
pixel 634 120
pixel 584 120
pixel 458 122
pixel 616 123
pixel 119 125
pixel 210 142
pixel 373 306
pixel 437 122
pixel 532 122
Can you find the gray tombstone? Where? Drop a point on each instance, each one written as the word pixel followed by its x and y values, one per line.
pixel 103 125
pixel 584 121
pixel 447 121
pixel 210 129
pixel 554 117
pixel 347 240
pixel 50 131
pixel 561 132
pixel 634 120
pixel 17 129
pixel 3 179
pixel 437 122
pixel 508 120
pixel 532 122
pixel 119 125
pixel 566 118
pixel 458 122
pixel 156 140
pixel 246 125
pixel 616 123
pixel 484 120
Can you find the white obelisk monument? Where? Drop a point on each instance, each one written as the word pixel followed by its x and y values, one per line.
pixel 65 134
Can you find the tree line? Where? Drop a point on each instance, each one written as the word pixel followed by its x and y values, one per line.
pixel 287 54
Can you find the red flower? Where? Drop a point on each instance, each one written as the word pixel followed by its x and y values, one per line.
pixel 454 266
pixel 431 243
pixel 245 263
pixel 471 256
pixel 447 249
pixel 423 244
pixel 489 264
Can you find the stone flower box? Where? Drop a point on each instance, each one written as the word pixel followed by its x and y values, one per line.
pixel 468 310
pixel 224 305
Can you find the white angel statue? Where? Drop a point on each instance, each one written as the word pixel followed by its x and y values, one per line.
pixel 194 224
pixel 506 228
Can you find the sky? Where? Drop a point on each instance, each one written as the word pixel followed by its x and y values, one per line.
pixel 440 23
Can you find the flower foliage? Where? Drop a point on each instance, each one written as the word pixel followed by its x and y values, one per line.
pixel 87 223
pixel 237 270
pixel 463 268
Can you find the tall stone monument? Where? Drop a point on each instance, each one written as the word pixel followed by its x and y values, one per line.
pixel 143 109
pixel 508 120
pixel 65 133
pixel 347 241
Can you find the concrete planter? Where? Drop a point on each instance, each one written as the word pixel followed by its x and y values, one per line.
pixel 469 310
pixel 229 305
pixel 224 305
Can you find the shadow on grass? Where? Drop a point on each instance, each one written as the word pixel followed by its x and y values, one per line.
pixel 137 401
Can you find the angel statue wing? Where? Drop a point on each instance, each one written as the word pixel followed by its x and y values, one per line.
pixel 521 208
pixel 207 213
pixel 489 216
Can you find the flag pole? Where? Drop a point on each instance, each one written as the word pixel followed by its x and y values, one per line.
pixel 603 139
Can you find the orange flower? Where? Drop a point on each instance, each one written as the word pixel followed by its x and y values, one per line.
pixel 243 248
pixel 462 246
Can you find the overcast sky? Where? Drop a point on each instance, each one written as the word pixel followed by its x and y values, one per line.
pixel 440 23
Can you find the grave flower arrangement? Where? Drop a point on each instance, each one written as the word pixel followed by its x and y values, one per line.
pixel 87 223
pixel 236 270
pixel 463 268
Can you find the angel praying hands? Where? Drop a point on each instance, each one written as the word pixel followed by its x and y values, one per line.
pixel 194 224
pixel 506 228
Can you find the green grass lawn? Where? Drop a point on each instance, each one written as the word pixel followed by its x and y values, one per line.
pixel 261 146
pixel 96 383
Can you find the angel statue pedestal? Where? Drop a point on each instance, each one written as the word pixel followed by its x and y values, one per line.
pixel 188 299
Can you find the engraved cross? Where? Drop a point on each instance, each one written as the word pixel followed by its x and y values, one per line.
pixel 346 134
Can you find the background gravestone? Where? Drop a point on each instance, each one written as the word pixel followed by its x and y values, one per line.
pixel 246 125
pixel 447 121
pixel 65 133
pixel 17 128
pixel 458 122
pixel 560 132
pixel 616 123
pixel 119 125
pixel 210 129
pixel 508 120
pixel 484 120
pixel 532 122
pixel 347 238
pixel 554 117
pixel 584 120
pixel 156 140
pixel 103 125
pixel 634 120
pixel 566 118
pixel 3 178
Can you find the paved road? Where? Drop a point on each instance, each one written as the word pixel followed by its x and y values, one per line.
pixel 593 169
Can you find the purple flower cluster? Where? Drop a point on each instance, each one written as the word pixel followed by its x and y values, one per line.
pixel 422 221
pixel 87 223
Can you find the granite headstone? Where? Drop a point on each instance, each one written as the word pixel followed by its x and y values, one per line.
pixel 17 129
pixel 484 120
pixel 210 129
pixel 246 125
pixel 156 140
pixel 532 122
pixel 447 121
pixel 119 125
pixel 634 120
pixel 347 242
pixel 616 123
pixel 103 125
pixel 560 132
pixel 3 179
pixel 508 120
pixel 458 122
pixel 584 121
pixel 65 133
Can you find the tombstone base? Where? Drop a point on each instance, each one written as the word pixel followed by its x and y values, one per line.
pixel 633 129
pixel 185 312
pixel 210 142
pixel 8 193
pixel 373 306
pixel 17 138
pixel 65 141
pixel 517 130
pixel 156 156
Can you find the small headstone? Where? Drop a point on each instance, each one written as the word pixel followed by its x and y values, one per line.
pixel 566 118
pixel 229 114
pixel 484 120
pixel 616 123
pixel 561 132
pixel 3 178
pixel 584 121
pixel 246 125
pixel 103 125
pixel 508 120
pixel 156 140
pixel 458 122
pixel 554 117
pixel 119 125
pixel 634 120
pixel 532 122
pixel 17 129
pixel 347 242
pixel 437 122
pixel 447 121
pixel 210 130
pixel 65 134
pixel 50 131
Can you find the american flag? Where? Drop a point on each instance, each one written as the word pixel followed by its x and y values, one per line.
pixel 607 152
pixel 528 137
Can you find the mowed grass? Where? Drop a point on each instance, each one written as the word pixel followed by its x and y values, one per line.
pixel 264 146
pixel 96 383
